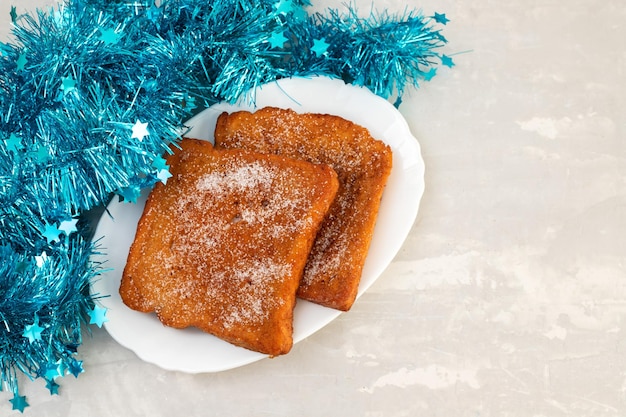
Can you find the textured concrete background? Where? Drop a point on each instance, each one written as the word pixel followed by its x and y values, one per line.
pixel 509 296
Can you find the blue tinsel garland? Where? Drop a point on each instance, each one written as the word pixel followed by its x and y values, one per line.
pixel 92 93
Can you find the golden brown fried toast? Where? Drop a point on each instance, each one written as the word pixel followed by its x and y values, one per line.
pixel 222 246
pixel 362 163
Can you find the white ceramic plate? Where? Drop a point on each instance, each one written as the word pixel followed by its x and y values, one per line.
pixel 191 350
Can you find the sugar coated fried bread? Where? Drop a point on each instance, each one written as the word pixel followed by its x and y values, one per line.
pixel 222 246
pixel 363 165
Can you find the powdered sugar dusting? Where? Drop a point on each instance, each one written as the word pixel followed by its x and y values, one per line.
pixel 362 164
pixel 218 237
pixel 255 294
pixel 243 179
pixel 229 222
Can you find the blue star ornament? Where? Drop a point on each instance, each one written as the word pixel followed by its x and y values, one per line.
pixel 53 370
pixel 14 143
pixel 42 154
pixel 33 331
pixel 51 232
pixel 140 130
pixel 109 36
pixel 447 61
pixel 68 226
pixel 277 40
pixel 76 368
pixel 320 46
pixel 284 6
pixel 441 18
pixel 98 316
pixel 163 175
pixel 19 402
pixel 68 84
pixel 52 386
pixel 21 62
pixel 160 163
pixel 41 260
pixel 430 74
pixel 50 372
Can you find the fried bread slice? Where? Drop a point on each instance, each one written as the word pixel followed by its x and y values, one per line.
pixel 223 244
pixel 363 165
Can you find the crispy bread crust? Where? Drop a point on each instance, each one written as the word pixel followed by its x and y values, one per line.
pixel 363 165
pixel 223 244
